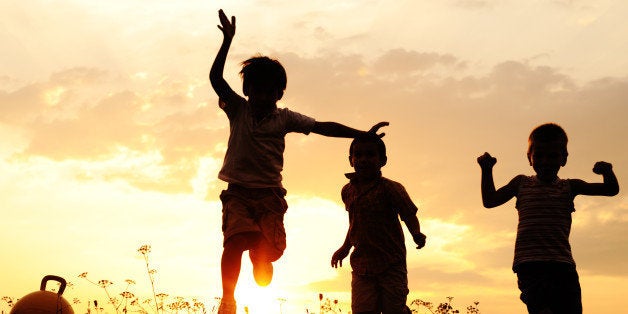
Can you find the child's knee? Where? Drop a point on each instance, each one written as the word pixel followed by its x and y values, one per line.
pixel 242 241
pixel 267 251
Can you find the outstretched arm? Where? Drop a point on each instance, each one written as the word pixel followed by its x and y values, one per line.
pixel 335 129
pixel 491 197
pixel 609 187
pixel 216 78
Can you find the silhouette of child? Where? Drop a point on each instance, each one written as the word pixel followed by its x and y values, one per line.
pixel 379 281
pixel 253 203
pixel 545 268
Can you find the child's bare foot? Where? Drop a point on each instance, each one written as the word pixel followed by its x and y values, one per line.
pixel 227 307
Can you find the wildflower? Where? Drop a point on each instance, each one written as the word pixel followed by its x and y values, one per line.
pixel 104 283
pixel 127 295
pixel 8 300
pixel 144 249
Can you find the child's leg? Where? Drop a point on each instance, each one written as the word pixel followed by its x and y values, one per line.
pixel 232 259
pixel 272 243
pixel 394 291
pixel 364 294
pixel 548 287
pixel 241 233
pixel 567 296
pixel 533 287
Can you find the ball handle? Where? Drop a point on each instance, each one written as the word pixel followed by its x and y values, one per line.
pixel 56 278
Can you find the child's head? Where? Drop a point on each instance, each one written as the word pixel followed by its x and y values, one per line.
pixel 263 79
pixel 367 154
pixel 547 150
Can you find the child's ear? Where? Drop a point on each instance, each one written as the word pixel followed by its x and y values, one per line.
pixel 383 161
pixel 279 95
pixel 564 161
pixel 350 161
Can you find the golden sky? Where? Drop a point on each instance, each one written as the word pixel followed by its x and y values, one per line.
pixel 111 138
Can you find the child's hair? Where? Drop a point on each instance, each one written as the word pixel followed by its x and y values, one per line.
pixel 369 137
pixel 260 70
pixel 546 133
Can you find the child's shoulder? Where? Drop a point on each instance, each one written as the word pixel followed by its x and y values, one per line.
pixel 391 183
pixel 521 179
pixel 393 188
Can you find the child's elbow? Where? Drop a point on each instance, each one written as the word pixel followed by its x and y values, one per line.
pixel 489 204
pixel 613 191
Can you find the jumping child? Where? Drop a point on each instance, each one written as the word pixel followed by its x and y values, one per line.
pixel 253 203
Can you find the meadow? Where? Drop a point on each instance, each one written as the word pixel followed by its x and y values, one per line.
pixel 123 298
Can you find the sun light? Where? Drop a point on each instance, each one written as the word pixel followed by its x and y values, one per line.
pixel 255 299
pixel 252 298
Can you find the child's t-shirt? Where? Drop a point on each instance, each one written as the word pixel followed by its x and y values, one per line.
pixel 544 222
pixel 374 227
pixel 254 156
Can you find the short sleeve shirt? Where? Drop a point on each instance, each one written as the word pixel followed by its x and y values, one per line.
pixel 254 156
pixel 374 228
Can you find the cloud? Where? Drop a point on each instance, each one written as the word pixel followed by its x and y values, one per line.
pixel 475 4
pixel 493 111
pixel 154 132
pixel 92 115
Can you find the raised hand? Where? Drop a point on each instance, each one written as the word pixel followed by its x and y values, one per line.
pixel 376 127
pixel 602 167
pixel 487 161
pixel 227 27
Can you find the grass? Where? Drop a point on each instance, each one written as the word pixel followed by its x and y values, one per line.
pixel 125 301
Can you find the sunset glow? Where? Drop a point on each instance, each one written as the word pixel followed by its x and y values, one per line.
pixel 111 138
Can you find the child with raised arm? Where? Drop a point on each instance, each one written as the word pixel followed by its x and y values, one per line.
pixel 253 203
pixel 379 280
pixel 545 268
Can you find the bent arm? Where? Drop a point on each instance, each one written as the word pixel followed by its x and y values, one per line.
pixel 407 210
pixel 412 223
pixel 342 252
pixel 493 198
pixel 609 186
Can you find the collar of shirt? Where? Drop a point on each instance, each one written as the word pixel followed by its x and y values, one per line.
pixel 352 176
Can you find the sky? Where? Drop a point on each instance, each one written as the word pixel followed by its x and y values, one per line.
pixel 111 139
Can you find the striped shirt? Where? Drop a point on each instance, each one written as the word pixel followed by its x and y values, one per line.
pixel 544 222
pixel 374 227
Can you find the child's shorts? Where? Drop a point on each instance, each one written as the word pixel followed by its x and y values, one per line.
pixel 386 292
pixel 256 210
pixel 549 285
